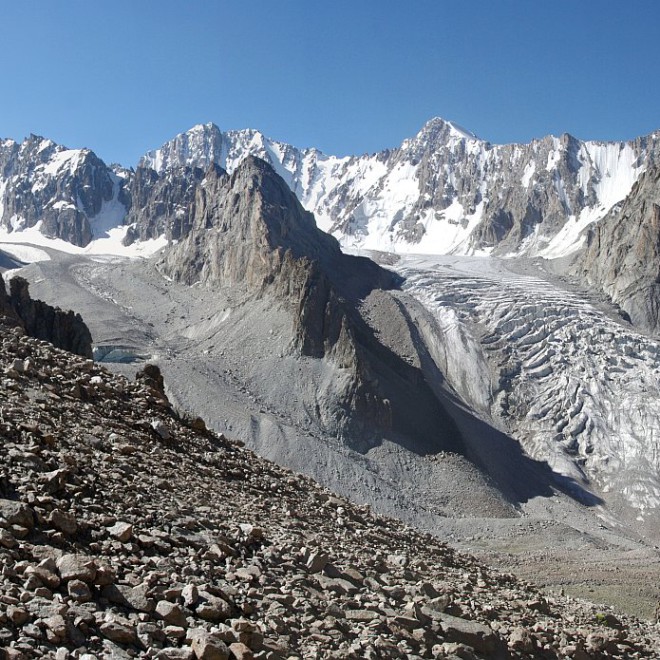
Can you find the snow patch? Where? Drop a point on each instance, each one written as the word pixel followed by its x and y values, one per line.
pixel 69 158
pixel 530 168
pixel 111 245
pixel 25 253
pixel 111 215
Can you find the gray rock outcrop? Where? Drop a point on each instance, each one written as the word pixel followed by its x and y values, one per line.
pixel 160 203
pixel 65 330
pixel 622 256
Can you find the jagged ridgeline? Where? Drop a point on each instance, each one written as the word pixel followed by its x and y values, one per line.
pixel 248 229
pixel 444 190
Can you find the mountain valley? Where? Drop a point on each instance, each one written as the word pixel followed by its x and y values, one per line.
pixel 479 362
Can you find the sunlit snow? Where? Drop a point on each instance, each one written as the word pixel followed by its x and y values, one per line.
pixel 111 244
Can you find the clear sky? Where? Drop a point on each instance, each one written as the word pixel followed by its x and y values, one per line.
pixel 347 76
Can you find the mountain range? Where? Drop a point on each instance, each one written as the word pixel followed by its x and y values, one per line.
pixel 443 191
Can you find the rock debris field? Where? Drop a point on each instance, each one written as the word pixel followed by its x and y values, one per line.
pixel 127 530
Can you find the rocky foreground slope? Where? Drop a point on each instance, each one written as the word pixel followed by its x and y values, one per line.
pixel 127 531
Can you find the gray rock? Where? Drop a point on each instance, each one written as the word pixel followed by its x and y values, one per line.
pixel 480 637
pixel 16 513
pixel 171 613
pixel 7 540
pixel 63 521
pixel 79 591
pixel 77 567
pixel 208 647
pixel 119 630
pixel 213 608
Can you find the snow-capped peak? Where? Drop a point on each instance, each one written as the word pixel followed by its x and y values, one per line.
pixel 441 129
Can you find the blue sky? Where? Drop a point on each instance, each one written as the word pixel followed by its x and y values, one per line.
pixel 344 76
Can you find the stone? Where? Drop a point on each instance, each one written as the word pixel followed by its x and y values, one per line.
pixel 213 608
pixel 209 647
pixel 17 615
pixel 136 597
pixel 7 539
pixel 190 595
pixel 16 513
pixel 161 429
pixel 241 651
pixel 57 625
pixel 76 567
pixel 79 591
pixel 476 635
pixel 122 531
pixel 119 630
pixel 316 562
pixel 364 616
pixel 171 613
pixel 47 577
pixel 174 653
pixel 63 521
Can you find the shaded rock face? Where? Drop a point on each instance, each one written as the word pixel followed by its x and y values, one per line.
pixel 65 330
pixel 622 256
pixel 249 229
pixel 160 204
pixel 67 191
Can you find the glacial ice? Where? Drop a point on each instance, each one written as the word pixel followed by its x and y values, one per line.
pixel 576 386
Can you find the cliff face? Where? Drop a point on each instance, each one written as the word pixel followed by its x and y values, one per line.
pixel 160 204
pixel 65 330
pixel 622 256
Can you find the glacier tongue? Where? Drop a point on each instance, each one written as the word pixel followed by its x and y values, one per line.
pixel 572 382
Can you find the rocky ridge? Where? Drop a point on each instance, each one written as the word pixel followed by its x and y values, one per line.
pixel 442 191
pixel 249 229
pixel 128 531
pixel 622 256
pixel 65 330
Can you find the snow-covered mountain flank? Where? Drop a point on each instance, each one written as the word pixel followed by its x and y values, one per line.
pixel 442 191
